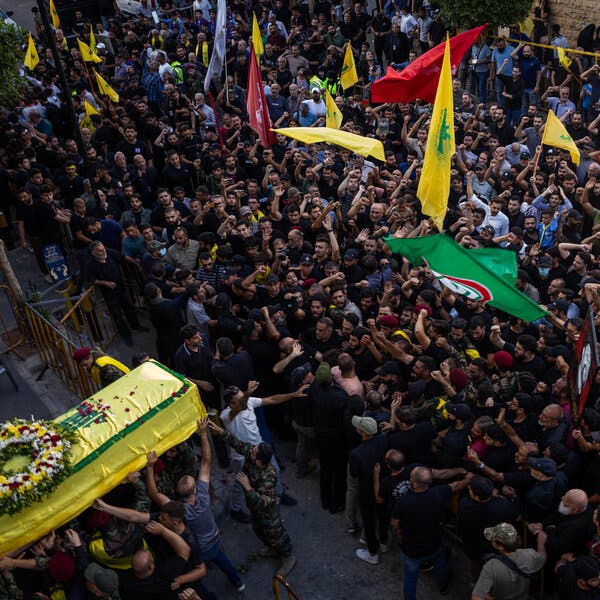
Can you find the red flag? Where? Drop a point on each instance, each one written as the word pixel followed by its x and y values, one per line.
pixel 256 103
pixel 420 78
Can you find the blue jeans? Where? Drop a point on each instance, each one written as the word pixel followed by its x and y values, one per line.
pixel 481 79
pixel 499 90
pixel 217 556
pixel 529 97
pixel 514 116
pixel 411 567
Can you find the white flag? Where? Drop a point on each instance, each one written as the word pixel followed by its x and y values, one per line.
pixel 217 59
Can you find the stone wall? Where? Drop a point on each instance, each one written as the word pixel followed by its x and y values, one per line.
pixel 573 16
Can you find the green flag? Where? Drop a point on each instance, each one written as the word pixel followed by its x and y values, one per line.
pixel 486 275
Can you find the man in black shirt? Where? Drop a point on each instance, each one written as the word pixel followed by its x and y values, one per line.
pixel 362 462
pixel 417 516
pixel 193 358
pixel 103 271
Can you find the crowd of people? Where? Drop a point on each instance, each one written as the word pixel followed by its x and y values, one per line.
pixel 270 286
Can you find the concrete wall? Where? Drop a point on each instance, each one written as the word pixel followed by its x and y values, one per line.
pixel 573 16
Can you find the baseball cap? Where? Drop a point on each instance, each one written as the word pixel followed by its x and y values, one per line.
pixel 389 368
pixel 306 259
pixel 367 425
pixel 299 374
pixel 245 210
pixel 559 304
pixel 507 175
pixel 460 411
pixel 106 580
pixel 551 152
pixel 323 374
pixel 525 155
pixel 155 245
pixel 574 214
pixel 293 191
pixel 479 166
pixel 351 254
pixel 503 533
pixel 546 466
pixel 100 46
pixel 272 278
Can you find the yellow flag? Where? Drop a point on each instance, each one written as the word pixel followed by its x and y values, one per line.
pixel 257 37
pixel 434 185
pixel 92 40
pixel 349 76
pixel 357 143
pixel 89 109
pixel 150 408
pixel 87 54
pixel 556 135
pixel 31 56
pixel 104 88
pixel 54 15
pixel 334 117
pixel 563 59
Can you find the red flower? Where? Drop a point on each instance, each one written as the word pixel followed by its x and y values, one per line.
pixel 127 409
pixel 131 393
pixel 97 421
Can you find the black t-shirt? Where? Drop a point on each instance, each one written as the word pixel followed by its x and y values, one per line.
pixel 195 365
pixel 414 443
pixel 158 585
pixel 30 215
pixel 362 461
pixel 393 487
pixel 570 590
pixel 420 515
pixel 454 447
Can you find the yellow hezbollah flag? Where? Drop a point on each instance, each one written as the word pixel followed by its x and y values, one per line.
pixel 556 135
pixel 357 143
pixel 92 40
pixel 563 59
pixel 31 56
pixel 349 76
pixel 54 15
pixel 434 185
pixel 259 47
pixel 104 88
pixel 87 54
pixel 149 409
pixel 334 117
pixel 89 109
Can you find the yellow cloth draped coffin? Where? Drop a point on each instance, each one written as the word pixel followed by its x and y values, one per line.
pixel 149 409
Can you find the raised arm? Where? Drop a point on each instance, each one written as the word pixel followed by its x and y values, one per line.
pixel 204 474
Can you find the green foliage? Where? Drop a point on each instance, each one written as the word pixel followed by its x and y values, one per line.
pixel 471 13
pixel 11 56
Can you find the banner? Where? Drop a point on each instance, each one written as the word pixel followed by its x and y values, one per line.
pixel 257 42
pixel 584 362
pixel 256 102
pixel 31 55
pixel 465 274
pixel 349 75
pixel 434 183
pixel 149 409
pixel 217 59
pixel 420 78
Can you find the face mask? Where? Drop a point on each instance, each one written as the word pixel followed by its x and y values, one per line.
pixel 544 271
pixel 163 251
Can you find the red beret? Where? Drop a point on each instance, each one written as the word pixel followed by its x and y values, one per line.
pixel 419 307
pixel 61 566
pixel 81 354
pixel 389 321
pixel 503 359
pixel 459 379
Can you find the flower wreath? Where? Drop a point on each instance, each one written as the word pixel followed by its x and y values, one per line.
pixel 45 450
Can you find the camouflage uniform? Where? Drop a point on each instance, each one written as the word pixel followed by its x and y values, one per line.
pixel 506 387
pixel 185 463
pixel 262 500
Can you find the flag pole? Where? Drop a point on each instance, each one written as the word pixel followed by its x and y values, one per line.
pixel 225 65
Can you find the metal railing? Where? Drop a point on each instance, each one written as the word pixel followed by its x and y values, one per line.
pixel 279 580
pixel 56 352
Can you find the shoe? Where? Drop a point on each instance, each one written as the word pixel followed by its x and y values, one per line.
pixel 240 516
pixel 287 564
pixel 384 548
pixel 364 554
pixel 267 552
pixel 352 529
pixel 128 341
pixel 287 500
pixel 446 589
pixel 240 588
pixel 362 540
pixel 140 328
pixel 426 566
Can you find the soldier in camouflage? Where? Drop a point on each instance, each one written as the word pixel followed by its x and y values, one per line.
pixel 258 480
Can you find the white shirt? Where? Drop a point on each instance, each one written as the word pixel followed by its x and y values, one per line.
pixel 243 426
pixel 407 24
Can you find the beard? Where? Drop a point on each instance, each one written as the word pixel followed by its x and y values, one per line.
pixel 564 510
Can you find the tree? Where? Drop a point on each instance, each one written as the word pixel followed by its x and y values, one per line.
pixel 11 38
pixel 471 13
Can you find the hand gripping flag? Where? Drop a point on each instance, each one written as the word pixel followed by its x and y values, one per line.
pixel 434 184
pixel 477 276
